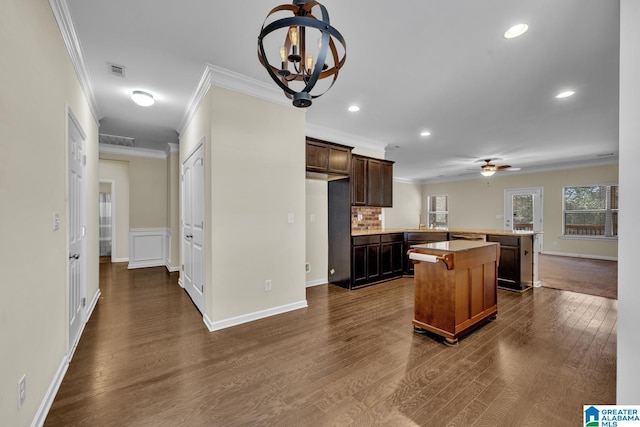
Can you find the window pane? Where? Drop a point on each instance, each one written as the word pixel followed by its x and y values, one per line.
pixel 438 220
pixel 578 198
pixel 614 223
pixel 585 223
pixel 522 205
pixel 438 203
pixel 614 197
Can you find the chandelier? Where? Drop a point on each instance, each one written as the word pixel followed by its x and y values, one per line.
pixel 306 53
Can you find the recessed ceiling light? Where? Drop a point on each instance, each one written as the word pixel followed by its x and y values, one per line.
pixel 425 133
pixel 143 99
pixel 565 94
pixel 516 31
pixel 354 108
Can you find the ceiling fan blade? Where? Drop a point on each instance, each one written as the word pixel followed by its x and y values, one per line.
pixel 503 167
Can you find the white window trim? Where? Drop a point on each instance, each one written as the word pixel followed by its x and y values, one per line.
pixel 429 212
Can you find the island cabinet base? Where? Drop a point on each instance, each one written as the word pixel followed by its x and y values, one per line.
pixel 453 297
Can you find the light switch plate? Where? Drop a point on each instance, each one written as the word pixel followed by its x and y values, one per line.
pixel 56 221
pixel 291 218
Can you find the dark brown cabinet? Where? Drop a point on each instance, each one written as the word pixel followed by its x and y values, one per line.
pixel 327 159
pixel 365 253
pixel 371 182
pixel 391 255
pixel 420 238
pixel 515 270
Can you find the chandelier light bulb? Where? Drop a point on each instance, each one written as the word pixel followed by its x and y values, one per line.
pixel 293 35
pixel 283 54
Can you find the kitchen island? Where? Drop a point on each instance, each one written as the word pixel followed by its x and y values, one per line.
pixel 455 286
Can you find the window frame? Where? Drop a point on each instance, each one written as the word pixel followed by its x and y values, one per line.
pixel 608 211
pixel 429 212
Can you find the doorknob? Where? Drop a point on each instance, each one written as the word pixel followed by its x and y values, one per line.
pixel 74 256
pixel 189 236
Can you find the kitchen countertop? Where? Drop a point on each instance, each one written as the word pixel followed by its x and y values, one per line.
pixel 444 230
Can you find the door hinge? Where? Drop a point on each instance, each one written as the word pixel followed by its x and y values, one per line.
pixel 84 160
pixel 84 302
pixel 182 267
pixel 201 288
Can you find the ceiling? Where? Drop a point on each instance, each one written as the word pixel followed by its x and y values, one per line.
pixel 442 66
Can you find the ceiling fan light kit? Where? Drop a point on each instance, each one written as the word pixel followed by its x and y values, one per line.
pixel 488 169
pixel 308 53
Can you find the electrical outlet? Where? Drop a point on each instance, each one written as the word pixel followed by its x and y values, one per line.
pixel 22 390
pixel 307 267
pixel 267 285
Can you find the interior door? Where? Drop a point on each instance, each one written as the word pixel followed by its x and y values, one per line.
pixel 193 226
pixel 523 209
pixel 76 232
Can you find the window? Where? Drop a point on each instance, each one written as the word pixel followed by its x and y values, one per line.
pixel 437 212
pixel 590 211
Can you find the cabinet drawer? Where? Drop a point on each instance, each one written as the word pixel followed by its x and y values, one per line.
pixel 428 237
pixel 366 240
pixel 395 237
pixel 504 240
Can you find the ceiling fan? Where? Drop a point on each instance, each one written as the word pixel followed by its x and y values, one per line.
pixel 489 168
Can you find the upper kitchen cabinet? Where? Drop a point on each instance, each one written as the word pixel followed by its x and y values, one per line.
pixel 326 160
pixel 371 182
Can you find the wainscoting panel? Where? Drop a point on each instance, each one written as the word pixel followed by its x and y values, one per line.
pixel 147 248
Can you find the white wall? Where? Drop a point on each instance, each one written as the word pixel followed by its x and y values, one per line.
pixel 37 83
pixel 479 203
pixel 317 232
pixel 407 206
pixel 173 204
pixel 628 384
pixel 254 177
pixel 117 172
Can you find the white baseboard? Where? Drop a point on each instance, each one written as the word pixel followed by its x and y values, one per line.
pixel 145 264
pixel 171 268
pixel 50 395
pixel 93 303
pixel 605 258
pixel 120 259
pixel 249 317
pixel 180 282
pixel 317 282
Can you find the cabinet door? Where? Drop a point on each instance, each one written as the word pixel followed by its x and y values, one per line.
pixel 373 263
pixel 374 183
pixel 317 156
pixel 397 258
pixel 358 181
pixel 386 179
pixel 386 259
pixel 339 160
pixel 509 268
pixel 359 260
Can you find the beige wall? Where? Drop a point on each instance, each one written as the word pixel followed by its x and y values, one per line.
pixel 117 172
pixel 317 246
pixel 147 191
pixel 628 386
pixel 37 83
pixel 254 177
pixel 407 206
pixel 479 203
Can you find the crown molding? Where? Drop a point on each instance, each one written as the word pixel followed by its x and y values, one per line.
pixel 227 79
pixel 171 148
pixel 327 134
pixel 61 12
pixel 132 151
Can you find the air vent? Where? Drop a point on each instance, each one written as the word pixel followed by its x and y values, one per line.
pixel 606 155
pixel 123 141
pixel 117 70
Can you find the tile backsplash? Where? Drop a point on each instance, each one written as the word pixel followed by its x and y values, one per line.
pixel 365 218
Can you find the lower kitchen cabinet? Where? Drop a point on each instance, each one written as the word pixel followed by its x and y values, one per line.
pixel 515 270
pixel 391 255
pixel 376 258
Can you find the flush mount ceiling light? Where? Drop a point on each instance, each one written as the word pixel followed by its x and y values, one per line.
pixel 306 50
pixel 143 99
pixel 516 31
pixel 354 108
pixel 565 94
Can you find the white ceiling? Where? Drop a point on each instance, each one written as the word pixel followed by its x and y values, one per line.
pixel 431 64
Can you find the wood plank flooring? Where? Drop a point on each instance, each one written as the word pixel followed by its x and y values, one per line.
pixel 350 358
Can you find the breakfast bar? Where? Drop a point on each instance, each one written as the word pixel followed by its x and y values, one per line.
pixel 455 286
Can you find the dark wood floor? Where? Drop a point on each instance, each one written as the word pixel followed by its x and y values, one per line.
pixel 351 358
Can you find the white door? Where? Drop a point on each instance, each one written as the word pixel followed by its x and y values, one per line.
pixel 76 230
pixel 193 226
pixel 523 209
